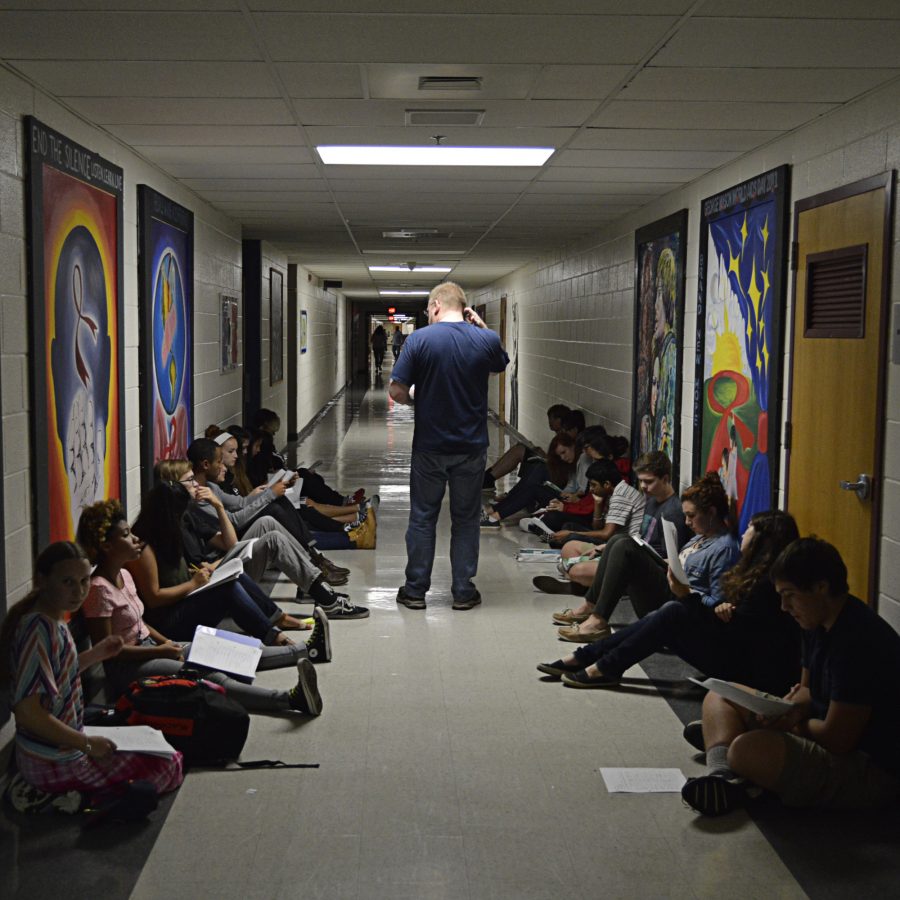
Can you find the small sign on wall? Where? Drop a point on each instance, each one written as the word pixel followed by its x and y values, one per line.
pixel 304 331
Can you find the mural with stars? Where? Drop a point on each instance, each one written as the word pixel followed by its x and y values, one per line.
pixel 741 292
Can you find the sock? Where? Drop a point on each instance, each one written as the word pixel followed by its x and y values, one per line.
pixel 321 593
pixel 717 761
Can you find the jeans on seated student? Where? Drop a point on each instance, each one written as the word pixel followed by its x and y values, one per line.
pixel 838 745
pixel 39 661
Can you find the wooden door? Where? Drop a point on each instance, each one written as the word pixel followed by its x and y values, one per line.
pixel 838 358
pixel 501 403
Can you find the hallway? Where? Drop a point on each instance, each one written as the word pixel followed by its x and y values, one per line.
pixel 448 768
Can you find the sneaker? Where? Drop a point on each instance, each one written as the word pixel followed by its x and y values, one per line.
pixel 693 734
pixel 488 522
pixel 304 696
pixel 474 600
pixel 558 669
pixel 525 524
pixel 342 608
pixel 318 647
pixel 712 795
pixel 583 680
pixel 550 585
pixel 25 797
pixel 409 602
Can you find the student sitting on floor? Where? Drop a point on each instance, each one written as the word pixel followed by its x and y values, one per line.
pixel 654 473
pixel 745 638
pixel 617 507
pixel 626 567
pixel 520 454
pixel 207 532
pixel 113 607
pixel 39 662
pixel 839 745
pixel 532 490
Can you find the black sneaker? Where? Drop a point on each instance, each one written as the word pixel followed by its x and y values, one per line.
pixel 342 608
pixel 550 585
pixel 305 696
pixel 559 668
pixel 713 795
pixel 318 647
pixel 404 599
pixel 693 734
pixel 469 603
pixel 488 522
pixel 583 680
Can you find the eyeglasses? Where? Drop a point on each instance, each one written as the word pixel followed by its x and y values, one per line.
pixel 186 480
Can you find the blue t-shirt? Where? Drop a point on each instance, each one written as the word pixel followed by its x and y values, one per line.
pixel 449 364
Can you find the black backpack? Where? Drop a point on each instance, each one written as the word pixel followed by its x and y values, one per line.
pixel 195 716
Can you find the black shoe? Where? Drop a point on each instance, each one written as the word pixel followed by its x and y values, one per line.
pixel 582 680
pixel 469 603
pixel 693 734
pixel 324 563
pixel 342 608
pixel 488 522
pixel 550 585
pixel 713 795
pixel 318 647
pixel 404 599
pixel 559 668
pixel 305 696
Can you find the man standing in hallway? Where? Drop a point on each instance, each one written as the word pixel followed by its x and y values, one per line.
pixel 448 365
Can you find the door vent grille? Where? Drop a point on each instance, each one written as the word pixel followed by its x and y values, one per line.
pixel 836 293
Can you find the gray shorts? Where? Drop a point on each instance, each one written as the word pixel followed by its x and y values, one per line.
pixel 816 777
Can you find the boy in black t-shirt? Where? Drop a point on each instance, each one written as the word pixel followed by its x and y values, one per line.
pixel 839 745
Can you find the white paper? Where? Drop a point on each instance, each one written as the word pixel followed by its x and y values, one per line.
pixel 295 493
pixel 241 550
pixel 278 476
pixel 225 651
pixel 224 573
pixel 756 701
pixel 670 532
pixel 534 554
pixel 643 781
pixel 133 739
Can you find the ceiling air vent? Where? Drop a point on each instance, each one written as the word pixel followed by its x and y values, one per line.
pixel 413 234
pixel 444 116
pixel 450 83
pixel 836 293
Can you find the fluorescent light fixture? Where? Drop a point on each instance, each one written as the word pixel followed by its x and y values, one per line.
pixel 412 271
pixel 404 293
pixel 434 156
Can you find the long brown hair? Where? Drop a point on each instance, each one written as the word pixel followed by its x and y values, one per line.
pixel 772 532
pixel 707 493
pixel 560 471
pixel 48 558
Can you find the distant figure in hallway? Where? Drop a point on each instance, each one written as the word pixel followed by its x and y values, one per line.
pixel 397 340
pixel 379 345
pixel 447 366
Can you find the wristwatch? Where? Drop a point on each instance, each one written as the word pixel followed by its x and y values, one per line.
pixel 87 747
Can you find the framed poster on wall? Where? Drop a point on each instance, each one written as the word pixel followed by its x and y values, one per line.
pixel 740 306
pixel 76 324
pixel 228 333
pixel 276 326
pixel 166 302
pixel 659 254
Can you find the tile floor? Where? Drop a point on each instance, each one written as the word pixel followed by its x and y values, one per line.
pixel 449 769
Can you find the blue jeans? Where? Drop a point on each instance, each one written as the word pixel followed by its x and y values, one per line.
pixel 429 474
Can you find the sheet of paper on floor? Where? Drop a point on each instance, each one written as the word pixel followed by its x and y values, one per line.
pixel 643 781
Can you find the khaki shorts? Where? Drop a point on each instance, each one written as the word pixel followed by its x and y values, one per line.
pixel 816 777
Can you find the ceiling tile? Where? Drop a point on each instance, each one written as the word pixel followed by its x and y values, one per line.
pixel 210 136
pixel 669 139
pixel 125 78
pixel 586 82
pixel 803 9
pixel 772 116
pixel 181 111
pixel 158 35
pixel 453 39
pixel 784 85
pixel 213 156
pixel 423 135
pixel 570 173
pixel 782 43
pixel 401 82
pixel 321 80
pixel 652 159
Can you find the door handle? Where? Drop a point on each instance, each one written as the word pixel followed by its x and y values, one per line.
pixel 862 488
